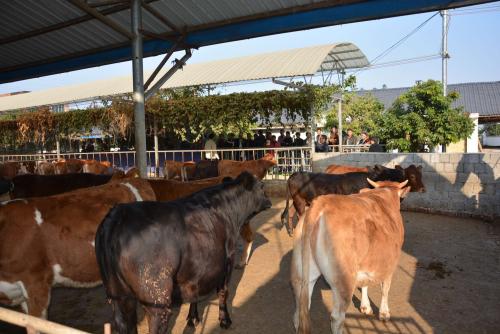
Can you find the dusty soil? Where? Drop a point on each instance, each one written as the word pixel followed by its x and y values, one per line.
pixel 447 282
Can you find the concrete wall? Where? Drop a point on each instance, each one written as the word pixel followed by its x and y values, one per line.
pixel 457 183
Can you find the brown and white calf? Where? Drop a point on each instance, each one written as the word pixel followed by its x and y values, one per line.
pixel 352 240
pixel 47 241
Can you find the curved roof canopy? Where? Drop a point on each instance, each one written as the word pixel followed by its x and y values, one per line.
pixel 288 63
pixel 42 37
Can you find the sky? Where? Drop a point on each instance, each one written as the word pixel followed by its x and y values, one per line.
pixel 473 44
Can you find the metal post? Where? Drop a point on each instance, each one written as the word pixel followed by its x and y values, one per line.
pixel 138 96
pixel 444 57
pixel 444 52
pixel 339 115
pixel 339 111
pixel 58 149
pixel 157 155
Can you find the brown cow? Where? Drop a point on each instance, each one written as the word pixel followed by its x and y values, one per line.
pixel 47 241
pixel 9 169
pixel 352 240
pixel 97 167
pixel 68 166
pixel 412 173
pixel 45 168
pixel 258 168
pixel 169 190
pixel 183 170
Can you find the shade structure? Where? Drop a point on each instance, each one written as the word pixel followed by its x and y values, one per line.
pixel 42 37
pixel 288 63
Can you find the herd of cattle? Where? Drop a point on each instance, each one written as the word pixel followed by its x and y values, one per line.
pixel 160 242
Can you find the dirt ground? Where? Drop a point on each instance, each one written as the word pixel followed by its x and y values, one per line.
pixel 447 281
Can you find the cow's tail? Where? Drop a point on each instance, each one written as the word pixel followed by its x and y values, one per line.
pixel 304 318
pixel 104 250
pixel 284 215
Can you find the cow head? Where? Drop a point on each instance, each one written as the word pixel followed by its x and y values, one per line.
pixel 414 176
pixel 400 186
pixel 381 173
pixel 259 199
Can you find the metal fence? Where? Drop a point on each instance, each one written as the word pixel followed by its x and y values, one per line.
pixel 289 159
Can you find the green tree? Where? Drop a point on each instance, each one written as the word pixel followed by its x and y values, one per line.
pixel 423 116
pixel 362 111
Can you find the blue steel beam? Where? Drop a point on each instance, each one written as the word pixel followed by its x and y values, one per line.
pixel 321 17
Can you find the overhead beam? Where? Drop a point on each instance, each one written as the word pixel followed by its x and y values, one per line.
pixel 102 18
pixel 179 63
pixel 160 65
pixel 61 25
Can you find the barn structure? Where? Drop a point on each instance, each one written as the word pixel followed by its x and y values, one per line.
pixel 96 33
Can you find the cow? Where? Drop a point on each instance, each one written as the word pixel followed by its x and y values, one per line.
pixel 258 168
pixel 412 173
pixel 163 253
pixel 9 169
pixel 32 185
pixel 352 240
pixel 47 241
pixel 45 168
pixel 169 190
pixel 303 187
pixel 205 169
pixel 97 167
pixel 176 169
pixel 68 166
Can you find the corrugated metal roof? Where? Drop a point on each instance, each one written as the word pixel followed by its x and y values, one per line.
pixel 289 63
pixel 42 37
pixel 475 97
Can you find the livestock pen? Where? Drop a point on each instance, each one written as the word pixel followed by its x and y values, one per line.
pixel 446 282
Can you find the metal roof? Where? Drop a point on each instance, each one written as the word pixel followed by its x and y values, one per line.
pixel 42 37
pixel 288 63
pixel 475 97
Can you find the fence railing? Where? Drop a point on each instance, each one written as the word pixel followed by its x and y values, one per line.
pixel 349 148
pixel 34 324
pixel 289 159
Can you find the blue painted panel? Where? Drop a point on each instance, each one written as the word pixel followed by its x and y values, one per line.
pixel 362 11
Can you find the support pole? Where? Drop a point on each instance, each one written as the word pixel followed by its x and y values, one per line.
pixel 444 52
pixel 339 112
pixel 138 83
pixel 339 115
pixel 58 149
pixel 444 57
pixel 157 155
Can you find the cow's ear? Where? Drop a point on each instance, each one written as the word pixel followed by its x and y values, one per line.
pixel 227 179
pixel 420 168
pixel 398 167
pixel 247 180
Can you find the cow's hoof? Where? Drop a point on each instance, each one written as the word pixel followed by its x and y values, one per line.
pixel 193 322
pixel 366 310
pixel 384 316
pixel 225 323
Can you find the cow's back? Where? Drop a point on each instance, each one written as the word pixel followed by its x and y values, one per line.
pixel 206 168
pixel 168 190
pixel 341 169
pixel 368 226
pixel 32 185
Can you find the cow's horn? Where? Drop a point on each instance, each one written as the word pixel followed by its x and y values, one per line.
pixel 402 184
pixel 373 183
